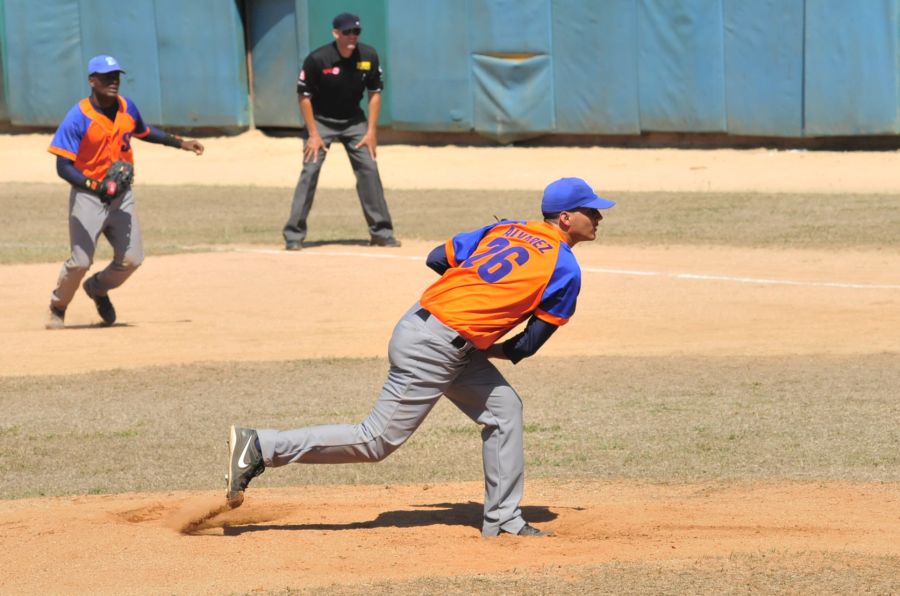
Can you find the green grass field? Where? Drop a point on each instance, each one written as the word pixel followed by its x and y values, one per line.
pixel 650 419
pixel 191 218
pixel 666 420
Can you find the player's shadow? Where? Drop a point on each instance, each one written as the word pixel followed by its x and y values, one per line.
pixel 443 514
pixel 95 326
pixel 343 242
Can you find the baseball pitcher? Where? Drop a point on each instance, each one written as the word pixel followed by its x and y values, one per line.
pixel 491 280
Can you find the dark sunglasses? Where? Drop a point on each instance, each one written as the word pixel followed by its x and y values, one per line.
pixel 354 31
pixel 106 77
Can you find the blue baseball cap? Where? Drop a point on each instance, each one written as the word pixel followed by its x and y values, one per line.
pixel 103 64
pixel 567 194
pixel 345 21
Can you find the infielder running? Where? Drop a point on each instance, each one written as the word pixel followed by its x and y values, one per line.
pixel 492 279
pixel 94 135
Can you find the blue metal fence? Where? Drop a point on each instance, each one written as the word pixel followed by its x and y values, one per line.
pixel 184 61
pixel 506 69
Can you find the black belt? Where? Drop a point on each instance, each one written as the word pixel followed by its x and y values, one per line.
pixel 457 342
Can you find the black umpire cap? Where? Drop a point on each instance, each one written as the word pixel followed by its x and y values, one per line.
pixel 345 21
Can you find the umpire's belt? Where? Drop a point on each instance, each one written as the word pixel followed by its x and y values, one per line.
pixel 458 342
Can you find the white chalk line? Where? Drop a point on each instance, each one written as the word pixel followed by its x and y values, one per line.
pixel 626 272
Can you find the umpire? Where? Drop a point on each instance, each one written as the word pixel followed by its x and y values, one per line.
pixel 330 88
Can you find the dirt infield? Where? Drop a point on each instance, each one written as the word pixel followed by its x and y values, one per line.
pixel 253 158
pixel 341 535
pixel 186 308
pixel 239 305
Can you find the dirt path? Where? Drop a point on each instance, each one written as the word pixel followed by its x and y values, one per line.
pixel 188 308
pixel 255 159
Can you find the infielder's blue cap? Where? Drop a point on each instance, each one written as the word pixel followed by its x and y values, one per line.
pixel 567 194
pixel 103 64
pixel 345 21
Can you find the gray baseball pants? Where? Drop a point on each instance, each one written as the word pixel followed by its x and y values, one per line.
pixel 88 218
pixel 368 183
pixel 424 366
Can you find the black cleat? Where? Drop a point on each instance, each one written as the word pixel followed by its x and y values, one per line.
pixel 529 530
pixel 293 245
pixel 389 242
pixel 105 308
pixel 245 463
pixel 57 318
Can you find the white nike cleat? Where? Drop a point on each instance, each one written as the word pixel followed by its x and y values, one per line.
pixel 245 463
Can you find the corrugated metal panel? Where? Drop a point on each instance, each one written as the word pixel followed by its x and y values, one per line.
pixel 184 61
pixel 595 83
pixel 432 82
pixel 512 99
pixel 4 110
pixel 764 67
pixel 681 66
pixel 128 32
pixel 507 68
pixel 851 67
pixel 45 67
pixel 202 63
pixel 508 26
pixel 276 53
pixel 511 68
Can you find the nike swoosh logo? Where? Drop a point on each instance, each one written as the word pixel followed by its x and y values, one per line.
pixel 242 462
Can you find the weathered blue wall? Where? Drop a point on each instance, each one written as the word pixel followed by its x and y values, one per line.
pixel 507 69
pixel 764 67
pixel 283 32
pixel 851 67
pixel 184 61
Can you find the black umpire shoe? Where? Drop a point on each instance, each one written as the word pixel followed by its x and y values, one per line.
pixel 105 308
pixel 529 530
pixel 245 463
pixel 389 242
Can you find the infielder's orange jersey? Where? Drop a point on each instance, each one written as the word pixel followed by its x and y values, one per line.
pixel 93 141
pixel 500 275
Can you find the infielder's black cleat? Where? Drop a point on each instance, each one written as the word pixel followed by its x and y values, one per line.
pixel 389 242
pixel 57 318
pixel 245 463
pixel 105 308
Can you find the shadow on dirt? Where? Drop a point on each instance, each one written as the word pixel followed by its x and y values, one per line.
pixel 443 514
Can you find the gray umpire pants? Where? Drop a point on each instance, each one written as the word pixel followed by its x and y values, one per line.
pixel 368 182
pixel 424 366
pixel 88 218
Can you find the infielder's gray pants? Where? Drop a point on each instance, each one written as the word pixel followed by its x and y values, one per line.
pixel 88 218
pixel 424 366
pixel 368 183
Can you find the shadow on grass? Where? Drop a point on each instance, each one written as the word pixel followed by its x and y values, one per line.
pixel 437 514
pixel 93 326
pixel 336 242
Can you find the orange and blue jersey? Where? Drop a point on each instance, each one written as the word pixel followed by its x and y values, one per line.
pixel 500 275
pixel 93 141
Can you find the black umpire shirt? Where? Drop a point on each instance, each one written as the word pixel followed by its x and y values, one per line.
pixel 335 85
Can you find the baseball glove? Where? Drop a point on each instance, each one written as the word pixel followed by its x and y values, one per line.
pixel 117 181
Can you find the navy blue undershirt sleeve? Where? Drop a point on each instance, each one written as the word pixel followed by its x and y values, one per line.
pixel 161 137
pixel 529 341
pixel 67 171
pixel 437 259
